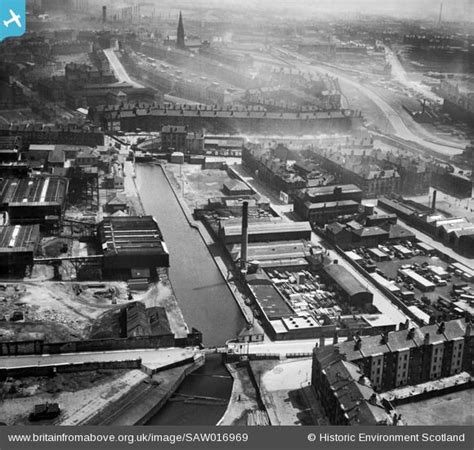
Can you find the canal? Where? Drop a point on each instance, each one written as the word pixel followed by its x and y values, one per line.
pixel 203 295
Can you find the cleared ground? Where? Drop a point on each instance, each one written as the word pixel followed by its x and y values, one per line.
pixel 56 311
pixel 78 394
pixel 199 184
pixel 450 409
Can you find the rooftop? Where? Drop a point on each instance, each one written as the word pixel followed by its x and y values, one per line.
pixel 345 279
pixel 18 238
pixel 131 235
pixel 33 191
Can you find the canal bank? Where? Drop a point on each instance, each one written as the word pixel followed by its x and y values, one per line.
pixel 217 253
pixel 203 294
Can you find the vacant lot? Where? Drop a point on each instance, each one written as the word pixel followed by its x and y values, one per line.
pixel 450 409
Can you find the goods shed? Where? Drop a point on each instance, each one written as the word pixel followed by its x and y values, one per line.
pixel 354 292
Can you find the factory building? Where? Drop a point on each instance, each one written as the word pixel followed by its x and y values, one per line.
pixel 18 245
pixel 130 243
pixel 230 231
pixel 35 200
pixel 279 319
pixel 173 138
pixel 324 204
pixel 10 147
pixel 354 292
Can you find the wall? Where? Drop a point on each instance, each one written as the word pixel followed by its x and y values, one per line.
pixel 39 347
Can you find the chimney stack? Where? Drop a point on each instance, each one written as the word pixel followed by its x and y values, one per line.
pixel 433 204
pixel 468 329
pixel 441 327
pixel 427 339
pixel 104 14
pixel 335 338
pixel 321 341
pixel 411 333
pixel 358 344
pixel 245 236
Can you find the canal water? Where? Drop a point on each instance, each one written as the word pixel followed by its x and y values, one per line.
pixel 211 380
pixel 203 296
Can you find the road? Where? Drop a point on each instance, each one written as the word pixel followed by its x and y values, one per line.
pixel 150 357
pixel 118 68
pixel 400 75
pixel 401 130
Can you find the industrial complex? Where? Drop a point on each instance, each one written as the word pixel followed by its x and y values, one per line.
pixel 276 201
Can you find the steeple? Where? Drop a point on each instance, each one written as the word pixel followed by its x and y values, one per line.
pixel 180 33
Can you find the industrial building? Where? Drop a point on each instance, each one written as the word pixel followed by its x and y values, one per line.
pixel 262 231
pixel 354 292
pixel 18 245
pixel 288 254
pixel 130 243
pixel 38 199
pixel 237 188
pixel 279 319
pixel 324 204
pixel 411 355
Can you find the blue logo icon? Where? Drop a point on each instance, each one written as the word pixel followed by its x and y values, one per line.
pixel 12 18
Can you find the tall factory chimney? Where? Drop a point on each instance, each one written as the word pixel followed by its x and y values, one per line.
pixel 245 236
pixel 440 13
pixel 433 204
pixel 104 14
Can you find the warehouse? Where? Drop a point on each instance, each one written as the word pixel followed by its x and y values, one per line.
pixel 279 319
pixel 354 292
pixel 236 187
pixel 38 199
pixel 231 231
pixel 420 282
pixel 130 243
pixel 322 213
pixel 17 248
pixel 294 254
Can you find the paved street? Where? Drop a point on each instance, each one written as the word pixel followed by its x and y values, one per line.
pixel 152 358
pixel 118 68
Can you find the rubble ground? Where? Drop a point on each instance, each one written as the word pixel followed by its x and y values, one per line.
pixel 68 308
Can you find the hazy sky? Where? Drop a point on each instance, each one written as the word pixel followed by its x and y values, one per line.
pixel 452 9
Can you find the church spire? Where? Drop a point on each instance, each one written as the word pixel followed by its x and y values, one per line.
pixel 180 33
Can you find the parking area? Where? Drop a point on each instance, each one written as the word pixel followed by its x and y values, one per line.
pixel 423 279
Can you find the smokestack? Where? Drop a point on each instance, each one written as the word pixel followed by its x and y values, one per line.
pixel 104 14
pixel 440 13
pixel 433 204
pixel 245 235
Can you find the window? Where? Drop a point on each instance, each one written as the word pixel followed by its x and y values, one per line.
pixel 379 362
pixel 436 351
pixel 435 359
pixel 405 365
pixel 405 357
pixel 378 371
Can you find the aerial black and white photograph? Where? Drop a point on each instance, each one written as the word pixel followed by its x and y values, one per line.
pixel 237 213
